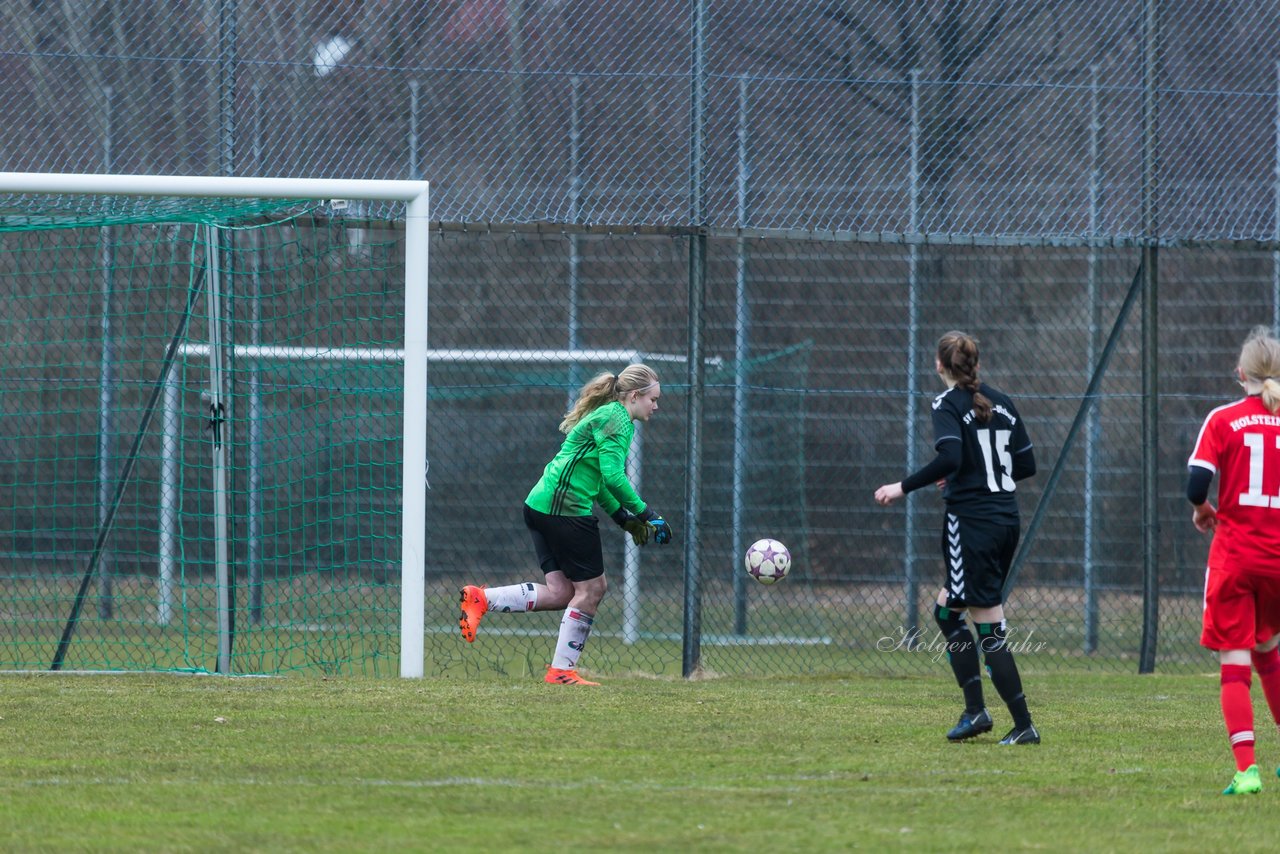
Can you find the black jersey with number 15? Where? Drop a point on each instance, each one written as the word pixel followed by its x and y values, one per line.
pixel 984 484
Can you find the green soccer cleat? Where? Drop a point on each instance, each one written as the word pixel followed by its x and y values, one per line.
pixel 1246 782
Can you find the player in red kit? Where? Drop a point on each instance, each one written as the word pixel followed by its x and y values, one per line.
pixel 1240 442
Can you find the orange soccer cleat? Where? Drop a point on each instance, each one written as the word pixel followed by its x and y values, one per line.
pixel 474 605
pixel 565 676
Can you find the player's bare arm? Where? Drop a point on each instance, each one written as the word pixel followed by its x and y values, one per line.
pixel 1205 517
pixel 889 493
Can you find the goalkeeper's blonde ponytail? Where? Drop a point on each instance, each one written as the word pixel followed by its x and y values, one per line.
pixel 605 388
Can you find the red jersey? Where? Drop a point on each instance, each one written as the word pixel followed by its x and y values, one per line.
pixel 1241 443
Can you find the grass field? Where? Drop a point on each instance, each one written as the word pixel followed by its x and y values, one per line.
pixel 197 763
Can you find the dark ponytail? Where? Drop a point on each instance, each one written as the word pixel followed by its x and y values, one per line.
pixel 958 354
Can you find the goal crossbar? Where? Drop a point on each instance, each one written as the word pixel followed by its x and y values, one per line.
pixel 210 187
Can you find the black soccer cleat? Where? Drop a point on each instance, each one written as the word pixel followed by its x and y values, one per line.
pixel 1022 736
pixel 970 725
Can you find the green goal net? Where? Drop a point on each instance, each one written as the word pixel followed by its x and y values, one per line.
pixel 201 422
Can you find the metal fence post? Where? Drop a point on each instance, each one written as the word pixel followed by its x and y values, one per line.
pixel 1150 337
pixel 692 652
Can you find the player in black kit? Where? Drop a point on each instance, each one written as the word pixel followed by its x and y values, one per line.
pixel 983 450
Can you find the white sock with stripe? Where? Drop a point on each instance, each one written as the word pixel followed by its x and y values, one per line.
pixel 575 625
pixel 513 597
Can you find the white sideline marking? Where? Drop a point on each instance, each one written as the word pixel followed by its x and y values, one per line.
pixel 516 632
pixel 707 640
pixel 772 784
pixel 46 672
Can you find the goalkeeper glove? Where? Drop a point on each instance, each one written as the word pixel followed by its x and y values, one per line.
pixel 662 533
pixel 639 529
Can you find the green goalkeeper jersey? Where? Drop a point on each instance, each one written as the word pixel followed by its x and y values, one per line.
pixel 590 467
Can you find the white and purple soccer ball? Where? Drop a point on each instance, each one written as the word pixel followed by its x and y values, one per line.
pixel 768 561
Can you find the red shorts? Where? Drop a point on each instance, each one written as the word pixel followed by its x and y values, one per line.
pixel 1241 609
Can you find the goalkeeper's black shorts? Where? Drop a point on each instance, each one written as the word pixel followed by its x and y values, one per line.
pixel 570 544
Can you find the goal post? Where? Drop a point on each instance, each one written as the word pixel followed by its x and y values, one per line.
pixel 56 209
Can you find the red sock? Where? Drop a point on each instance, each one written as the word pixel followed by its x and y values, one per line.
pixel 1237 712
pixel 1268 666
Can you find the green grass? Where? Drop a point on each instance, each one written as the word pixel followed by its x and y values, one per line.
pixel 494 763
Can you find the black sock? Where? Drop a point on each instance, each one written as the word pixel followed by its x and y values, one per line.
pixel 992 639
pixel 962 653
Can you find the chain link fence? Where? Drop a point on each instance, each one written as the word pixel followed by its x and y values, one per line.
pixel 813 393
pixel 835 414
pixel 952 119
pixel 863 175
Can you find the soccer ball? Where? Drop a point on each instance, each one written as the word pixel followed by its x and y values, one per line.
pixel 768 561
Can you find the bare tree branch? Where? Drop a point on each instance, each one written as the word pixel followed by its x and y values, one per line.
pixel 990 30
pixel 897 114
pixel 24 23
pixel 908 43
pixel 866 37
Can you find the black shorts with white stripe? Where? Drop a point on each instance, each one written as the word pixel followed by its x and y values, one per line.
pixel 977 555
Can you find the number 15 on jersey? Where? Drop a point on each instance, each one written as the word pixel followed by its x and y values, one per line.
pixel 998 459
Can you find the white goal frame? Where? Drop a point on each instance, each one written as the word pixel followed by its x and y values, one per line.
pixel 416 195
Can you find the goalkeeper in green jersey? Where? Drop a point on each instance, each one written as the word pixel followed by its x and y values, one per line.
pixel 589 469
